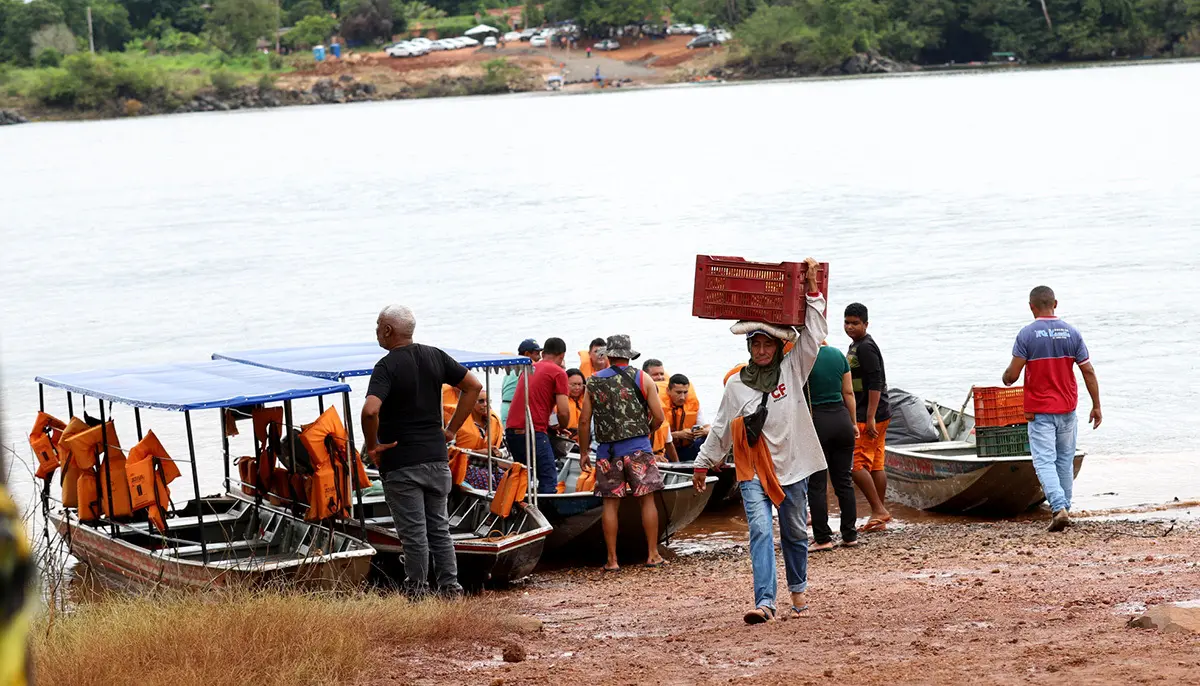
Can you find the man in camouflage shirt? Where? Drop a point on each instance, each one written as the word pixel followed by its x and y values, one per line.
pixel 623 407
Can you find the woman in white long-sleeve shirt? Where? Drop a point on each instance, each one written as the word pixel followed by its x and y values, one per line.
pixel 789 437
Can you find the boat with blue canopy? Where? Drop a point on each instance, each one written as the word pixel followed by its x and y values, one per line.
pixel 491 547
pixel 117 514
pixel 574 515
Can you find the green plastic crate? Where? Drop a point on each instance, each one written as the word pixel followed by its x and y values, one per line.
pixel 1002 441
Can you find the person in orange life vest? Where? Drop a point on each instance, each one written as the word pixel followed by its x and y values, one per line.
pixel 575 388
pixel 664 449
pixel 473 435
pixel 594 359
pixel 656 370
pixel 689 427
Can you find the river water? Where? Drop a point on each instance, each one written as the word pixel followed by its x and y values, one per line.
pixel 940 201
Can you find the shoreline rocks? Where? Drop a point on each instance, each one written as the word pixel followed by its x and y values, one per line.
pixel 11 117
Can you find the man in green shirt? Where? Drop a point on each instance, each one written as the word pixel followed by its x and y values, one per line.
pixel 528 348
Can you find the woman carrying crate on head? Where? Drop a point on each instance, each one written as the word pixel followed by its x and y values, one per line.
pixel 764 418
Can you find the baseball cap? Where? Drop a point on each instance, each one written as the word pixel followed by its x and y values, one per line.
pixel 528 346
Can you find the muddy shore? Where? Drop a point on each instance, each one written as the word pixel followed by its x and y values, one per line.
pixel 996 603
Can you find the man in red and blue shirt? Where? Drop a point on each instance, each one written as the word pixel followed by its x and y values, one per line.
pixel 1048 350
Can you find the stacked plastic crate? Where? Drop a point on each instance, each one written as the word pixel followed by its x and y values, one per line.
pixel 1000 426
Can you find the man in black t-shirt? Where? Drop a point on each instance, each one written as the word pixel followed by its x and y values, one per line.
pixel 871 399
pixel 404 436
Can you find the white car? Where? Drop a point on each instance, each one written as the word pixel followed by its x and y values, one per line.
pixel 699 29
pixel 512 37
pixel 401 50
pixel 537 41
pixel 439 45
pixel 489 42
pixel 422 41
pixel 468 42
pixel 679 29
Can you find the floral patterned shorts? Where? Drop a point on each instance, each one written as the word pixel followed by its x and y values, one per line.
pixel 636 475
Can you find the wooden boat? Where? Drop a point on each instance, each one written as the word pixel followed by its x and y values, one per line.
pixel 214 540
pixel 947 476
pixel 724 492
pixel 575 516
pixel 245 546
pixel 489 550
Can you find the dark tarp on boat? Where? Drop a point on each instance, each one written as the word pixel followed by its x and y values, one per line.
pixel 911 421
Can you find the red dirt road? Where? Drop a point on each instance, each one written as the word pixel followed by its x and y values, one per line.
pixel 995 603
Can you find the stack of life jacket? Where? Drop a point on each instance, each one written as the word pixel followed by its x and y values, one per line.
pixel 327 490
pixel 150 470
pixel 92 473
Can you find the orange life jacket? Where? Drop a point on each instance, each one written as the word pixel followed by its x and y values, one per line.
pixel 459 461
pixel 680 418
pixel 586 482
pixel 43 439
pixel 511 490
pixel 114 464
pixel 751 461
pixel 268 421
pixel 449 403
pixel 149 463
pixel 576 407
pixel 585 365
pixel 70 469
pixel 327 444
pixel 85 446
pixel 471 437
pixel 88 488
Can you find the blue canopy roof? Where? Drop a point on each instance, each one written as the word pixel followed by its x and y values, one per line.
pixel 352 359
pixel 192 385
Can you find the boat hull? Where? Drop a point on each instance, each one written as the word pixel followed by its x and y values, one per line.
pixel 947 477
pixel 122 563
pixel 495 558
pixel 725 491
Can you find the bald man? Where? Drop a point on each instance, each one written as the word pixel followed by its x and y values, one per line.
pixel 404 436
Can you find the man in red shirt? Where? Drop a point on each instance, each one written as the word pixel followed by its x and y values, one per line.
pixel 547 393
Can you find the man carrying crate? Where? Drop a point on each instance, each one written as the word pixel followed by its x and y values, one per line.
pixel 1048 349
pixel 764 418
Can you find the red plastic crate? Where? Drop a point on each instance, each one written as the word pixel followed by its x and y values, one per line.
pixel 999 406
pixel 770 292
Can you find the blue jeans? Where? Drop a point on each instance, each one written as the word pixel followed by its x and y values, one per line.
pixel 689 453
pixel 762 538
pixel 547 468
pixel 1052 445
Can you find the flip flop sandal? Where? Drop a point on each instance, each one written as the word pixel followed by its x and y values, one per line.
pixel 799 611
pixel 609 570
pixel 852 544
pixel 873 525
pixel 821 547
pixel 759 615
pixel 654 565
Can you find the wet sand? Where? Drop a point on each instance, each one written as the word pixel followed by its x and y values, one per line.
pixel 925 603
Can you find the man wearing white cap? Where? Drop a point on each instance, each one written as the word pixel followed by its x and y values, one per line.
pixel 763 417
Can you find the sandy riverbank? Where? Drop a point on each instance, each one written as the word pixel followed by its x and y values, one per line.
pixel 996 603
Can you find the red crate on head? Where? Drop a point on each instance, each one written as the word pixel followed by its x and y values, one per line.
pixel 770 292
pixel 999 406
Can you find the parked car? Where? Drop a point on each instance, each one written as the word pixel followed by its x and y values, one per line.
pixel 399 50
pixel 706 40
pixel 439 45
pixel 699 29
pixel 722 35
pixel 422 42
pixel 528 34
pixel 679 29
pixel 538 41
pixel 489 42
pixel 512 36
pixel 609 44
pixel 468 42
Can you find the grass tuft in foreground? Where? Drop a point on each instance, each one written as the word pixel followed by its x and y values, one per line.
pixel 247 637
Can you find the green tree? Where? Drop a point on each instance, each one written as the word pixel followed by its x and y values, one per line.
pixel 305 8
pixel 414 10
pixel 532 15
pixel 185 15
pixel 54 38
pixel 366 20
pixel 237 25
pixel 310 31
pixel 20 23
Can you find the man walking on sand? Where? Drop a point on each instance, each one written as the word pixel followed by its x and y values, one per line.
pixel 764 419
pixel 404 437
pixel 1048 350
pixel 871 400
pixel 623 406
